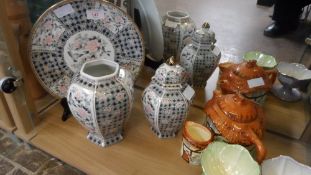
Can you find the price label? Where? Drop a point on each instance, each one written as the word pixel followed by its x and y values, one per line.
pixel 63 11
pixel 189 92
pixel 256 82
pixel 170 24
pixel 95 14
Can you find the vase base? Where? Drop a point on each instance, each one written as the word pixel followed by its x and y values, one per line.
pixel 104 142
pixel 163 135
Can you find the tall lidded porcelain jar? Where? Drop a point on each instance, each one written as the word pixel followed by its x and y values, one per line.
pixel 201 57
pixel 166 100
pixel 177 28
pixel 100 98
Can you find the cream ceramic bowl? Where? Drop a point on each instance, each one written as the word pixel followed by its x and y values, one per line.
pixel 220 158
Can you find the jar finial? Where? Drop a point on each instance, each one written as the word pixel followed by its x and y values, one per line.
pixel 205 25
pixel 171 61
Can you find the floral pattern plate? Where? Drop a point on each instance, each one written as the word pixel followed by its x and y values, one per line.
pixel 74 31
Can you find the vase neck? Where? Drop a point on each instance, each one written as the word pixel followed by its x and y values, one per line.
pixel 178 16
pixel 99 70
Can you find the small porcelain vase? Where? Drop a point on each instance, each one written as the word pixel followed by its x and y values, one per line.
pixel 177 28
pixel 166 100
pixel 201 57
pixel 100 98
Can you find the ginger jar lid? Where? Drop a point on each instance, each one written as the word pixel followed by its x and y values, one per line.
pixel 204 36
pixel 170 73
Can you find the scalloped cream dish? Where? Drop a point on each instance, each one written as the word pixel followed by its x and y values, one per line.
pixel 284 165
pixel 220 158
pixel 294 70
pixel 263 60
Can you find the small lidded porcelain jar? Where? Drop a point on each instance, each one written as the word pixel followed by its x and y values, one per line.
pixel 196 138
pixel 166 100
pixel 100 97
pixel 201 57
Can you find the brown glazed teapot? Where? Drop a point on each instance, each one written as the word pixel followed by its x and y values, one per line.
pixel 235 77
pixel 238 120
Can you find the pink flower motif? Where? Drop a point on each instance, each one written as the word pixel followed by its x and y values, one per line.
pixel 81 112
pixel 48 40
pixel 108 109
pixel 62 89
pixel 78 95
pixel 119 19
pixel 76 45
pixel 105 20
pixel 120 96
pixel 92 46
pixel 48 25
pixel 148 109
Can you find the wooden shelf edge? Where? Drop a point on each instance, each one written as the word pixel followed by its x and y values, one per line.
pixel 6 128
pixel 25 137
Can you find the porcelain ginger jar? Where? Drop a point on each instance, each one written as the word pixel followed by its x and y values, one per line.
pixel 166 100
pixel 100 98
pixel 237 119
pixel 201 57
pixel 177 28
pixel 246 78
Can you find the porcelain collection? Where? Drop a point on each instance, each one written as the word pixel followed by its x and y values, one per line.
pixel 201 57
pixel 91 53
pixel 177 28
pixel 100 98
pixel 164 101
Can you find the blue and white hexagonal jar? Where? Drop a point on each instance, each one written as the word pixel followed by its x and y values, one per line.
pixel 201 57
pixel 100 98
pixel 164 100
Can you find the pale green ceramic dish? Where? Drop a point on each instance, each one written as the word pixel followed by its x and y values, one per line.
pixel 220 158
pixel 263 60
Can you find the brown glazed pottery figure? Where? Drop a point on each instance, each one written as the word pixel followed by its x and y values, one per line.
pixel 246 78
pixel 237 119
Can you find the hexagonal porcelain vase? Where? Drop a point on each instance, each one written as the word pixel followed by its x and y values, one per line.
pixel 100 98
pixel 201 57
pixel 164 102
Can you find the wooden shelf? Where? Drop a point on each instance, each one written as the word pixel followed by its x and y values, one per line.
pixel 287 118
pixel 141 152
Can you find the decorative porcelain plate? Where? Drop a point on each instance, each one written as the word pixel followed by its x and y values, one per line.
pixel 74 31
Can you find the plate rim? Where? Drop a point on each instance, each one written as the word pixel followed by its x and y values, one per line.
pixel 59 4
